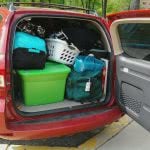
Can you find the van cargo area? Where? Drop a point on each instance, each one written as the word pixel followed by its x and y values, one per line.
pixel 54 87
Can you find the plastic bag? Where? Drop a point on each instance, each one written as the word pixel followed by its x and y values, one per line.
pixel 88 63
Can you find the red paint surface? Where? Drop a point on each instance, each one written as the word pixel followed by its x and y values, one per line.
pixel 66 127
pixel 128 14
pixel 8 116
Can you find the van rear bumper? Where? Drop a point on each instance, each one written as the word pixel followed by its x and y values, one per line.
pixel 61 128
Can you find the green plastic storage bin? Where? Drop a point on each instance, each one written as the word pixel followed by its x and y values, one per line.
pixel 44 86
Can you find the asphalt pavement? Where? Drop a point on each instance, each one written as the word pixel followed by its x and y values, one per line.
pixel 65 141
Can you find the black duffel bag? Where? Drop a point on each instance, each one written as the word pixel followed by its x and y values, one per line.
pixel 83 38
pixel 24 58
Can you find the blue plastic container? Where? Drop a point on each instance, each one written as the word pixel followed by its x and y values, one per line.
pixel 25 40
pixel 88 63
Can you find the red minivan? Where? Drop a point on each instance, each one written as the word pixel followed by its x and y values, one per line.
pixel 125 37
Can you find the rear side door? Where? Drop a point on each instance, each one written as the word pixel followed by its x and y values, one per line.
pixel 131 42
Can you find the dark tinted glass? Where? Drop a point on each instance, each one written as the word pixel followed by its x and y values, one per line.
pixel 135 39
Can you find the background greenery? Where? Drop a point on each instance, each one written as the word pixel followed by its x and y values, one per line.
pixel 113 5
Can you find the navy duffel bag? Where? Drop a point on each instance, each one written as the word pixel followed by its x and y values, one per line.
pixel 23 58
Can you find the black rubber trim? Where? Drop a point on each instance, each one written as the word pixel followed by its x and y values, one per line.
pixel 64 117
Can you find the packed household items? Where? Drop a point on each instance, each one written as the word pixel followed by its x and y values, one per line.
pixel 61 50
pixel 27 26
pixel 29 52
pixel 45 65
pixel 85 80
pixel 41 86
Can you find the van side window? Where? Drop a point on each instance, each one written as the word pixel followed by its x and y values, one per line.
pixel 135 39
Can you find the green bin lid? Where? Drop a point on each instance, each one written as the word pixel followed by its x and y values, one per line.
pixel 50 68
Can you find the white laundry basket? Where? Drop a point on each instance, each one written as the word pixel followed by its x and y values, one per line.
pixel 60 51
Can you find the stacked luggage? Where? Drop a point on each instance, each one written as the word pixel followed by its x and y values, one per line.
pixel 44 66
pixel 29 52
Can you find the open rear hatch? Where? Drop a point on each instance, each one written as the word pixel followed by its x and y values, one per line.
pixel 51 88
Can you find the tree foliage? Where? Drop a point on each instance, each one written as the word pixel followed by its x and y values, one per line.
pixel 113 5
